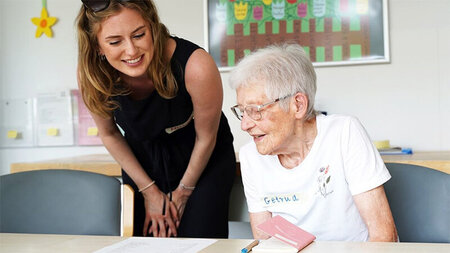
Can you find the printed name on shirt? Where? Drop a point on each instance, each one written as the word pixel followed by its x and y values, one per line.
pixel 277 199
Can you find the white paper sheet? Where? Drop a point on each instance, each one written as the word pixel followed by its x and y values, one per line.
pixel 54 119
pixel 16 123
pixel 157 245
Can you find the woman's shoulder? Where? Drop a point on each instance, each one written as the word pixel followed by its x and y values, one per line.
pixel 337 122
pixel 336 118
pixel 183 48
pixel 184 42
pixel 183 53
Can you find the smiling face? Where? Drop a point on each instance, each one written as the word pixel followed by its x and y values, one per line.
pixel 126 41
pixel 273 132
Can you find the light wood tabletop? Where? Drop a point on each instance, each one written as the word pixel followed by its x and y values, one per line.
pixel 105 164
pixel 98 163
pixel 438 160
pixel 40 243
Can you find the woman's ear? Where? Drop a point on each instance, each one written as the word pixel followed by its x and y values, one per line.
pixel 99 50
pixel 101 55
pixel 300 105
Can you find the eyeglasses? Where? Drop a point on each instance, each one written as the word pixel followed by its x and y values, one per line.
pixel 253 111
pixel 100 5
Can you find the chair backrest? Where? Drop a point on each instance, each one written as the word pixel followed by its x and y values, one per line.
pixel 60 202
pixel 127 210
pixel 419 198
pixel 239 230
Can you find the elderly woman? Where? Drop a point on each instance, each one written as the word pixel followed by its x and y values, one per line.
pixel 320 172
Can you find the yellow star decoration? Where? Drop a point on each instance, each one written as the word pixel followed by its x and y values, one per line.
pixel 43 24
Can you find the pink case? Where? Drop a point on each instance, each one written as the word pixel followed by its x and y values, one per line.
pixel 287 232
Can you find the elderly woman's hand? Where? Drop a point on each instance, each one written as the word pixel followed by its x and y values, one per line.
pixel 160 214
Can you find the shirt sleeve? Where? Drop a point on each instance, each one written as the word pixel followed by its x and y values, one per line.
pixel 364 168
pixel 250 179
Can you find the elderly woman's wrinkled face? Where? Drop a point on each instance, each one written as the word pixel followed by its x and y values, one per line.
pixel 274 130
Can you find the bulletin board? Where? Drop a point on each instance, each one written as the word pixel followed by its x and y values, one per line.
pixel 49 119
pixel 332 32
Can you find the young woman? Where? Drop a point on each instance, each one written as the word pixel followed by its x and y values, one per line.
pixel 165 94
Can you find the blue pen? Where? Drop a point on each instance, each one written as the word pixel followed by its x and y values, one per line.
pixel 250 246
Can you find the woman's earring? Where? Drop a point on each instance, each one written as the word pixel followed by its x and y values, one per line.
pixel 102 57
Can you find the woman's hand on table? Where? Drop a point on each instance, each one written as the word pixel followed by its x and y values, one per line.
pixel 160 214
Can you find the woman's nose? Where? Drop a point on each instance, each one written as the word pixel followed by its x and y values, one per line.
pixel 131 49
pixel 246 122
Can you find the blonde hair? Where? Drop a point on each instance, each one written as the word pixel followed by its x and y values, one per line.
pixel 98 80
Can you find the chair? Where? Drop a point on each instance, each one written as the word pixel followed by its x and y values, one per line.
pixel 239 230
pixel 238 226
pixel 64 202
pixel 419 198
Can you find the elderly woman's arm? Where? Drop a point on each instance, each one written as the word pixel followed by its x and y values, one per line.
pixel 255 220
pixel 376 213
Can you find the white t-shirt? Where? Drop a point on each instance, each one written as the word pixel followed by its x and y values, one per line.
pixel 317 194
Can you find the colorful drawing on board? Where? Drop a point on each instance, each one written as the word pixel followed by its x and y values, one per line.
pixel 329 30
pixel 44 22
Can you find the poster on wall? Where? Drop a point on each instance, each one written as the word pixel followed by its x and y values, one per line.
pixel 86 130
pixel 332 32
pixel 53 116
pixel 16 123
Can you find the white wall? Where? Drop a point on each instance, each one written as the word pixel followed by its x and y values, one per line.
pixel 406 101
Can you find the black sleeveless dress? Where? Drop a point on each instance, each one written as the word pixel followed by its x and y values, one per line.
pixel 161 136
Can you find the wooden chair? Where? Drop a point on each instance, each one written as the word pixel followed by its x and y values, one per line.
pixel 65 202
pixel 127 210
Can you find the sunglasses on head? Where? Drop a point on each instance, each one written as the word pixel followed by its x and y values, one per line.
pixel 99 5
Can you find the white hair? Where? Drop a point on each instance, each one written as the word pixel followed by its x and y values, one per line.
pixel 285 70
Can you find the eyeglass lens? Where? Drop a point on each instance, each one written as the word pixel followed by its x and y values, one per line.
pixel 251 111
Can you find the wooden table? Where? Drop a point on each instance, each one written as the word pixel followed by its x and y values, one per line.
pixel 435 160
pixel 98 163
pixel 105 164
pixel 40 243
